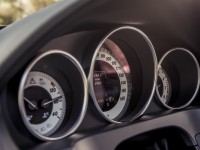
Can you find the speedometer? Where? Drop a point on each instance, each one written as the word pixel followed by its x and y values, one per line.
pixel 110 84
pixel 122 74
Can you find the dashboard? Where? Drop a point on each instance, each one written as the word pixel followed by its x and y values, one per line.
pixel 102 80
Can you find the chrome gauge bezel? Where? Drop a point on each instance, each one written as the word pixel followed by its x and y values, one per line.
pixel 197 83
pixel 73 126
pixel 90 76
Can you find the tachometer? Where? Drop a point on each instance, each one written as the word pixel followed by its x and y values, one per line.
pixel 45 103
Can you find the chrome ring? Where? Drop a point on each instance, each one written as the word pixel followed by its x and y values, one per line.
pixel 90 76
pixel 198 75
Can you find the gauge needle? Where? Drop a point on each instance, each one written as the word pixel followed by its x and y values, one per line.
pixel 51 101
pixel 33 105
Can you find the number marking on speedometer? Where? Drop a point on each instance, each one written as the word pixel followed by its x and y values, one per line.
pixel 110 84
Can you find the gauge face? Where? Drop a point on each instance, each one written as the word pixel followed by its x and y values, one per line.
pixel 163 87
pixel 110 84
pixel 45 103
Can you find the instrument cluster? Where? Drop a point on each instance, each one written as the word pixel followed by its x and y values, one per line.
pixel 120 80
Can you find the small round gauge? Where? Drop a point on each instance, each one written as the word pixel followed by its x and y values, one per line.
pixel 110 84
pixel 163 87
pixel 45 103
pixel 175 87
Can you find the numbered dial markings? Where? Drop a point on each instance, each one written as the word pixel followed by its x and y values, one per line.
pixel 45 103
pixel 110 84
pixel 163 88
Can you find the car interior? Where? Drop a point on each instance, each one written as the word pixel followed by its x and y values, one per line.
pixel 102 75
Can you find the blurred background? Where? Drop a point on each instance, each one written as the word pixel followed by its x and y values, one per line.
pixel 12 10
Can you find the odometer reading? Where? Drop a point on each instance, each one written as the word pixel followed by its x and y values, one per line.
pixel 110 84
pixel 45 103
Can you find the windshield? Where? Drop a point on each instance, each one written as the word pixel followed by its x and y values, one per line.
pixel 12 10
